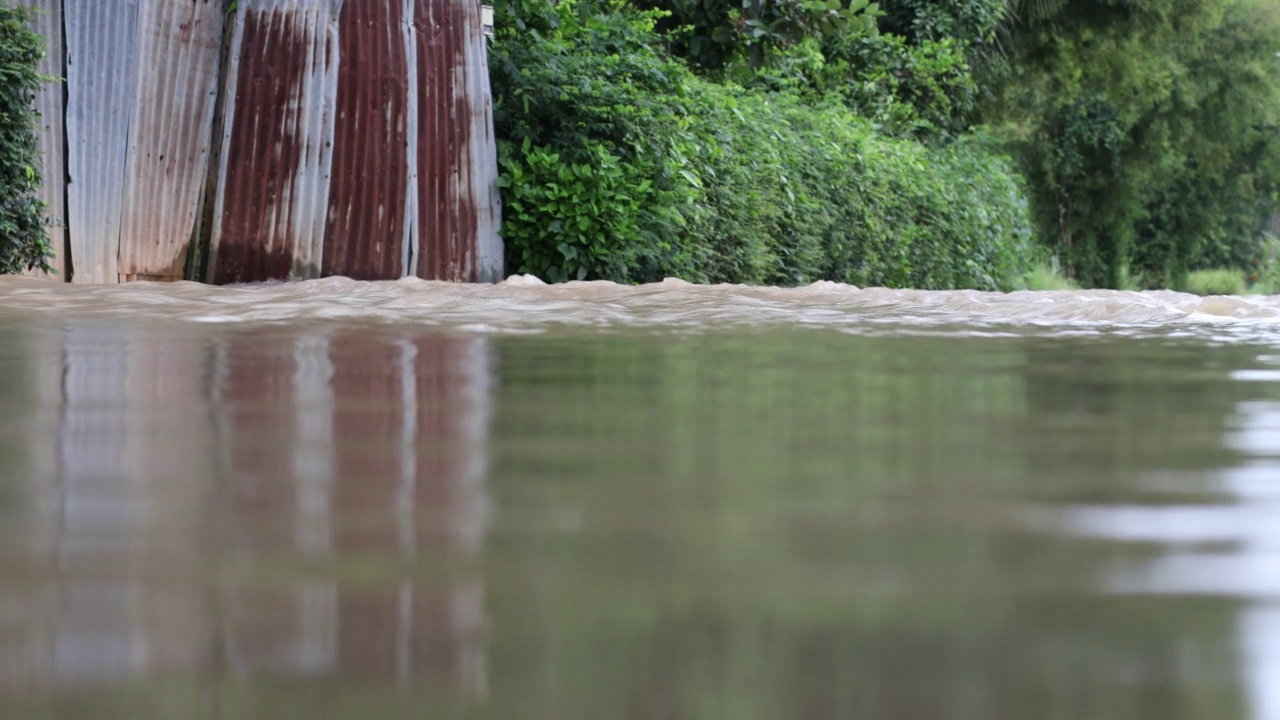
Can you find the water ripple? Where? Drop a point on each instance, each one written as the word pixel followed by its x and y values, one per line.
pixel 524 304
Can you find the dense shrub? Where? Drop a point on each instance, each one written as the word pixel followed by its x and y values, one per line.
pixel 23 243
pixel 803 193
pixel 618 163
pixel 1147 132
pixel 598 158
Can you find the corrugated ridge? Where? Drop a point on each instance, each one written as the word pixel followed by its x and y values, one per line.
pixel 432 52
pixel 365 218
pixel 101 40
pixel 409 247
pixel 49 103
pixel 457 155
pixel 482 152
pixel 169 134
pixel 458 197
pixel 315 127
pixel 409 115
pixel 278 143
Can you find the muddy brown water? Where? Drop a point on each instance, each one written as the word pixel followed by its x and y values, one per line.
pixel 404 500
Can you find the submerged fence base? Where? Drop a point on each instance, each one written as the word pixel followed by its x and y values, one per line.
pixel 288 139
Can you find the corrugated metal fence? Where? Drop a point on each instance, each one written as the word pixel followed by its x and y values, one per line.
pixel 355 137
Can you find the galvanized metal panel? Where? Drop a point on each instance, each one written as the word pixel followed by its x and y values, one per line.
pixel 101 43
pixel 179 43
pixel 459 215
pixel 277 152
pixel 365 232
pixel 409 247
pixel 482 156
pixel 48 22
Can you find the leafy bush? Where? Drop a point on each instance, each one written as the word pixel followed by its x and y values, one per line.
pixel 23 242
pixel 1216 282
pixel 596 95
pixel 618 163
pixel 570 221
pixel 804 193
pixel 912 89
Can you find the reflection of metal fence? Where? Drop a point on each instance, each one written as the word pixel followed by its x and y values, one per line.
pixel 287 139
pixel 250 502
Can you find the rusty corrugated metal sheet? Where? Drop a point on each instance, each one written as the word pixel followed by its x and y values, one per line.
pixel 48 22
pixel 367 222
pixel 101 43
pixel 178 46
pixel 358 141
pixel 457 156
pixel 406 117
pixel 277 148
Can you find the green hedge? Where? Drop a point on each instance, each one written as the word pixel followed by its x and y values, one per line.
pixel 23 242
pixel 618 163
pixel 805 193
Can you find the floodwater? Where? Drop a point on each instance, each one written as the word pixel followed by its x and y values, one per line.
pixel 414 500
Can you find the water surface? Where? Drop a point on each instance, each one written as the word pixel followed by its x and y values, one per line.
pixel 391 500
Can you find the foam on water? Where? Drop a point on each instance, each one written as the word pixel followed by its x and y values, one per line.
pixel 525 303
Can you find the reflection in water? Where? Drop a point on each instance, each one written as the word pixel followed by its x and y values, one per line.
pixel 790 525
pixel 337 520
pixel 1260 641
pixel 1218 548
pixel 1258 485
pixel 211 501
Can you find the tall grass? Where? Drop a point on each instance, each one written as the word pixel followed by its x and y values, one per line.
pixel 1043 277
pixel 1216 282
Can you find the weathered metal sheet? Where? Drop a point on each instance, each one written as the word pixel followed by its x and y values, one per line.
pixel 277 148
pixel 178 48
pixel 358 141
pixel 101 44
pixel 48 22
pixel 457 173
pixel 477 187
pixel 366 224
pixel 411 461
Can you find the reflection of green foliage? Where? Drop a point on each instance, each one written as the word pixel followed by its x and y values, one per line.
pixel 756 525
pixel 783 524
pixel 15 404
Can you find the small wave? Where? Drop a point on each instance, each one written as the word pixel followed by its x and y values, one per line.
pixel 524 303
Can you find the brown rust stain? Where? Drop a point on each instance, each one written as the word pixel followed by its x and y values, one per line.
pixel 364 229
pixel 263 158
pixel 461 202
pixel 447 220
pixel 355 198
